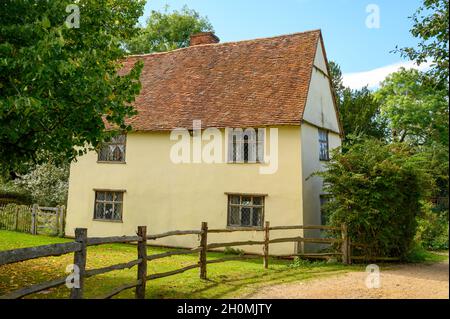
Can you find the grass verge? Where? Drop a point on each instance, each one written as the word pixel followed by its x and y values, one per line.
pixel 231 279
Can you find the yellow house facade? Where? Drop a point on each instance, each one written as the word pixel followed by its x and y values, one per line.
pixel 135 180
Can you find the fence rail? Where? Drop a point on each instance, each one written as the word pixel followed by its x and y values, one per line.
pixel 79 249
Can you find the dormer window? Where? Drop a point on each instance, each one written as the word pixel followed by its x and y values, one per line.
pixel 114 150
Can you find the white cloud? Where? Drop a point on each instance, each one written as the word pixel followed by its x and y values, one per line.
pixel 373 77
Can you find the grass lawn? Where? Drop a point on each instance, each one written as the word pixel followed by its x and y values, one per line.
pixel 231 279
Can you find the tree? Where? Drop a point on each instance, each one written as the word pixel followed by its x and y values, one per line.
pixel 360 114
pixel 59 85
pixel 431 26
pixel 167 31
pixel 377 190
pixel 336 80
pixel 46 183
pixel 415 107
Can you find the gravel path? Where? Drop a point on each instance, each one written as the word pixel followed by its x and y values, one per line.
pixel 414 281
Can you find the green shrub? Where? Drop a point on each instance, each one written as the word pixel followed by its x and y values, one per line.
pixel 376 189
pixel 233 251
pixel 432 230
pixel 8 196
pixel 299 262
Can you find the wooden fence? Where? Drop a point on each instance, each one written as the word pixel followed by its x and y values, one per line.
pixel 33 219
pixel 79 248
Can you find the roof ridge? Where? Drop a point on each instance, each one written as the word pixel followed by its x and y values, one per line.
pixel 223 43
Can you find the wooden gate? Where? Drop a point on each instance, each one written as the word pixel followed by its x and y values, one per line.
pixel 47 220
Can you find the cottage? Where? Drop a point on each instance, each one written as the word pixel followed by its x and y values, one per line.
pixel 227 133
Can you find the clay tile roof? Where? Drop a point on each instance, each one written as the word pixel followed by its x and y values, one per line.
pixel 251 83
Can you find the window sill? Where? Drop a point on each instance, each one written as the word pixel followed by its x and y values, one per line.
pixel 111 162
pixel 107 221
pixel 249 163
pixel 256 228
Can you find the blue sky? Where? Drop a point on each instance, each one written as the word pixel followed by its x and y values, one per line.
pixel 348 41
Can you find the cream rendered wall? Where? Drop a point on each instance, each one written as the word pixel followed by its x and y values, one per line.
pixel 167 196
pixel 319 113
pixel 319 109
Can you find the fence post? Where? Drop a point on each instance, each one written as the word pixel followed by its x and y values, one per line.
pixel 79 261
pixel 349 250
pixel 204 247
pixel 266 245
pixel 59 217
pixel 142 266
pixel 63 220
pixel 16 221
pixel 344 246
pixel 34 212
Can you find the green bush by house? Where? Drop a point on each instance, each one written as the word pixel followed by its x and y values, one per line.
pixel 377 189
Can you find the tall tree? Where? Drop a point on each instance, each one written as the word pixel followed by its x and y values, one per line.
pixel 336 80
pixel 431 27
pixel 360 114
pixel 415 106
pixel 59 83
pixel 167 31
pixel 358 110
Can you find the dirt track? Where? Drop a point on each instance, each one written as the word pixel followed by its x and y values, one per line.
pixel 415 281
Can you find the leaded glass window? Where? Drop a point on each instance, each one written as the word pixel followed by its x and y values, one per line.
pixel 245 211
pixel 108 205
pixel 323 146
pixel 114 150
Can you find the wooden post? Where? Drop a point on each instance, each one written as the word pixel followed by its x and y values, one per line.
pixel 79 261
pixel 142 267
pixel 63 220
pixel 344 247
pixel 266 245
pixel 34 212
pixel 60 222
pixel 202 254
pixel 16 221
pixel 349 250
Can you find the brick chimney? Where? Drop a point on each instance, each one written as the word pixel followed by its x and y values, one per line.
pixel 203 38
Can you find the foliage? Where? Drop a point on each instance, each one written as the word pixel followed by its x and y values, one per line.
pixel 418 254
pixel 431 27
pixel 47 183
pixel 59 85
pixel 415 107
pixel 336 80
pixel 376 189
pixel 233 251
pixel 360 114
pixel 13 195
pixel 167 31
pixel 432 232
pixel 299 262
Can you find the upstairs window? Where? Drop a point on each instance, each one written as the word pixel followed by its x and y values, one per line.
pixel 114 150
pixel 246 146
pixel 245 211
pixel 324 154
pixel 108 205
